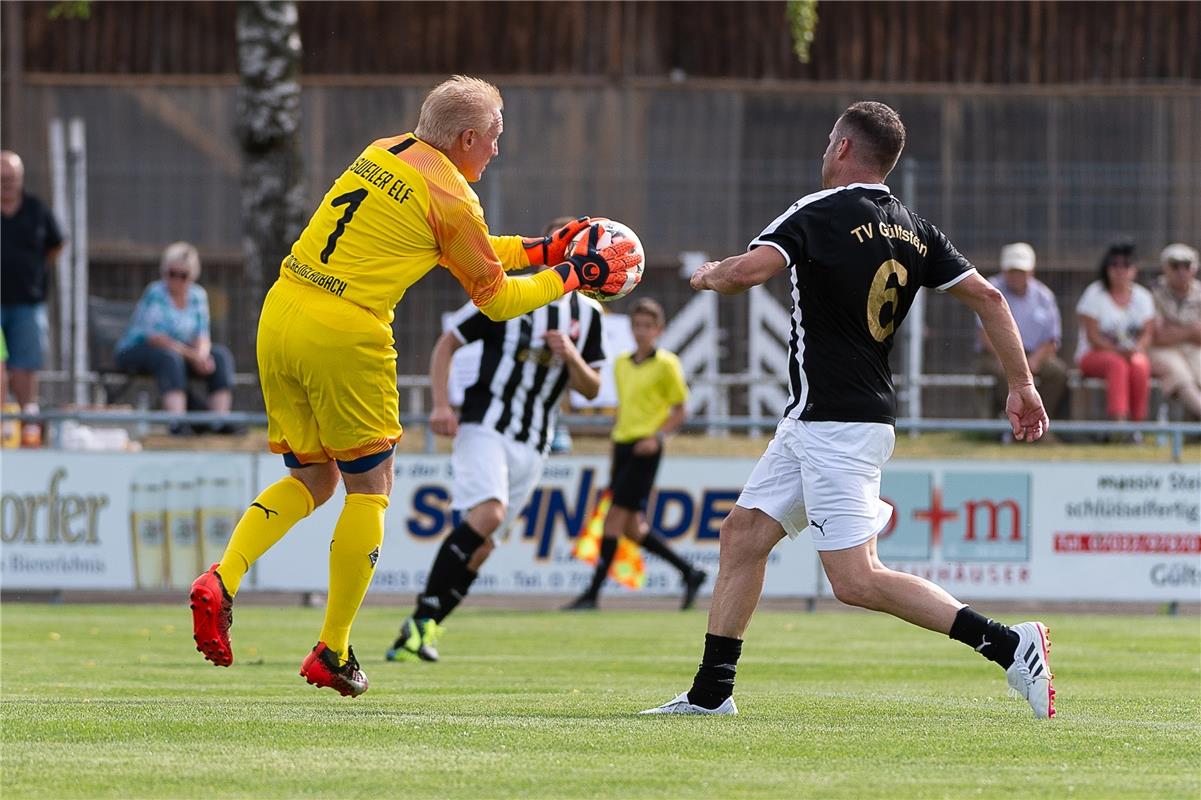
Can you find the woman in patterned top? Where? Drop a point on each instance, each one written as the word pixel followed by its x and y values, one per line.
pixel 168 336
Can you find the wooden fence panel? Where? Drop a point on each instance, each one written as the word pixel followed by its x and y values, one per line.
pixel 1007 42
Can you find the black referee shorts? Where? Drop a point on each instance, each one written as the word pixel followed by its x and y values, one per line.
pixel 632 476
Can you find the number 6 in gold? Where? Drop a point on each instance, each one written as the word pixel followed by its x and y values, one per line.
pixel 883 296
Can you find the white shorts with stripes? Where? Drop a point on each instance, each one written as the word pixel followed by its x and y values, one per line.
pixel 487 465
pixel 823 477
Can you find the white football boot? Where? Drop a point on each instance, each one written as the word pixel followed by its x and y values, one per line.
pixel 1030 675
pixel 680 705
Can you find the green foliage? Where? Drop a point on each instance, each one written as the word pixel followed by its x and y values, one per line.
pixel 71 9
pixel 113 702
pixel 802 22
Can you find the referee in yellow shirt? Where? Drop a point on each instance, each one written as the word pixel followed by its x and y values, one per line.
pixel 651 393
pixel 326 358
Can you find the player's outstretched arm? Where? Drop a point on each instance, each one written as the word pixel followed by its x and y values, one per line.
pixel 519 252
pixel 551 250
pixel 469 253
pixel 512 296
pixel 582 377
pixel 443 420
pixel 498 296
pixel 511 252
pixel 738 273
pixel 1024 407
pixel 1027 417
pixel 470 258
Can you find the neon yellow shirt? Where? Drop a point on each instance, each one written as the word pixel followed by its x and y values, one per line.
pixel 398 210
pixel 646 393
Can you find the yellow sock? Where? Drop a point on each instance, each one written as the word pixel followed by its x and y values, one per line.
pixel 352 556
pixel 270 516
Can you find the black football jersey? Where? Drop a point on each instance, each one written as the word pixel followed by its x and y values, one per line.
pixel 857 257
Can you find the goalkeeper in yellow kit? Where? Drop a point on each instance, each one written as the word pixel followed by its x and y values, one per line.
pixel 325 353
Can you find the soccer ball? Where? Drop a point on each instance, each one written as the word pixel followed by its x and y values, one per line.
pixel 610 231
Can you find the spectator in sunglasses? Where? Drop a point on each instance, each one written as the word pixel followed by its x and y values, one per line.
pixel 168 337
pixel 1176 343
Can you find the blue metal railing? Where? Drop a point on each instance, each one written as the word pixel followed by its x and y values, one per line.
pixel 1172 433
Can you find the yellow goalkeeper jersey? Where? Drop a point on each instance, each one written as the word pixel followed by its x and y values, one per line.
pixel 400 209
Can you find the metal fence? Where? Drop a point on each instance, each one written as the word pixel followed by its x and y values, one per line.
pixel 694 166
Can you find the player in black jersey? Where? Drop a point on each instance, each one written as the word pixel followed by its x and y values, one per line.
pixel 856 257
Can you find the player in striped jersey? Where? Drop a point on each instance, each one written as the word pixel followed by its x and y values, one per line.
pixel 502 436
pixel 326 358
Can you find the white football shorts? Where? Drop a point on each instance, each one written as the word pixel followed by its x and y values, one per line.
pixel 823 477
pixel 488 465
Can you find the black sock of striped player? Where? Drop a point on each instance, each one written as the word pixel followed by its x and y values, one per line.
pixel 456 593
pixel 608 549
pixel 987 637
pixel 448 572
pixel 653 543
pixel 714 681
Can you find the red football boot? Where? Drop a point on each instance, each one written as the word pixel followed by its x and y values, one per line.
pixel 320 668
pixel 212 616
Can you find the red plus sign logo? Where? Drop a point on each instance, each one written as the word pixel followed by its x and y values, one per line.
pixel 936 515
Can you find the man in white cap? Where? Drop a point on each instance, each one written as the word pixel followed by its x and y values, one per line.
pixel 1176 342
pixel 1037 316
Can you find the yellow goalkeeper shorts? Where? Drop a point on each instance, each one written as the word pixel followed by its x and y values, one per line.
pixel 328 372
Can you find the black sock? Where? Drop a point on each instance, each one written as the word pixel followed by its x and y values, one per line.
pixel 653 543
pixel 455 595
pixel 448 571
pixel 608 549
pixel 714 681
pixel 990 639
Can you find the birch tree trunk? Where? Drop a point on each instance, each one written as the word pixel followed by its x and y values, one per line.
pixel 268 128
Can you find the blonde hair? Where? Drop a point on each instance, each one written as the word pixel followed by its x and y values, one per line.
pixel 180 253
pixel 455 105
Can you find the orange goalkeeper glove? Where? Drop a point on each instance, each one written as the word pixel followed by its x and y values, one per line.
pixel 551 249
pixel 605 271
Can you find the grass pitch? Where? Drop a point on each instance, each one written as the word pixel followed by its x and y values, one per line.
pixel 112 701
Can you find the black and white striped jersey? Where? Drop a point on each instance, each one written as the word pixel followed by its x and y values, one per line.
pixel 857 257
pixel 519 383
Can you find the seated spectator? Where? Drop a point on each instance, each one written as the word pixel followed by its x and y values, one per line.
pixel 1176 343
pixel 1117 318
pixel 1037 316
pixel 168 337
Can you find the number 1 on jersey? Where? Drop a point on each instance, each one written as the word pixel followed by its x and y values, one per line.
pixel 351 200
